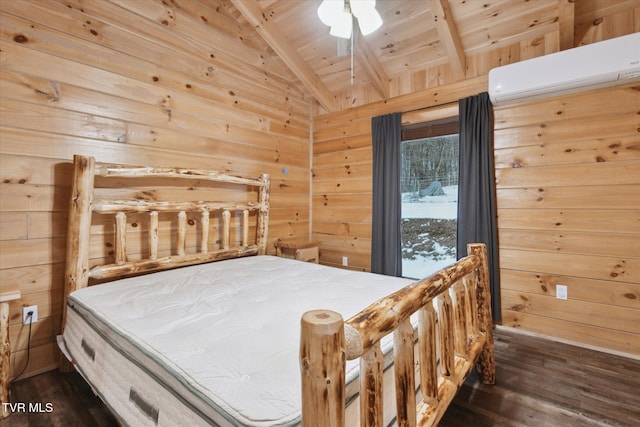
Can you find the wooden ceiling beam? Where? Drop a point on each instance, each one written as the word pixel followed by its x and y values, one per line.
pixel 566 23
pixel 449 37
pixel 284 49
pixel 373 69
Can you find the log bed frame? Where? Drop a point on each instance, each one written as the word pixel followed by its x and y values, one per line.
pixel 453 338
pixel 450 341
pixel 83 204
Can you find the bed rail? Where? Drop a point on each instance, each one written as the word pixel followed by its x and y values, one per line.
pixel 458 335
pixel 84 204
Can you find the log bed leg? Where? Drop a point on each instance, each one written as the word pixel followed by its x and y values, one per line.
pixel 79 228
pixel 486 365
pixel 322 367
pixel 76 273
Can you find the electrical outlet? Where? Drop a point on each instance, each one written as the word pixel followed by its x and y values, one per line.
pixel 561 292
pixel 25 314
pixel 345 261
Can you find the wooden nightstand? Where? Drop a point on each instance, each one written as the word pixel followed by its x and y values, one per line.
pixel 302 250
pixel 5 352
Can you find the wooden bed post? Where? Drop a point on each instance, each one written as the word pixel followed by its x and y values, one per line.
pixel 322 367
pixel 76 274
pixel 263 214
pixel 486 365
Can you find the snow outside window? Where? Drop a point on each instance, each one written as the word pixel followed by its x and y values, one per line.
pixel 429 186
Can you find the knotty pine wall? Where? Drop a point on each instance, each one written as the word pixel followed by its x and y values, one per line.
pixel 129 82
pixel 568 200
pixel 342 171
pixel 342 155
pixel 568 189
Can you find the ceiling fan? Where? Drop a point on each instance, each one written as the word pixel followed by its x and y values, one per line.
pixel 340 15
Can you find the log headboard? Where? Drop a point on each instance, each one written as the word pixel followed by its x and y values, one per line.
pixel 85 203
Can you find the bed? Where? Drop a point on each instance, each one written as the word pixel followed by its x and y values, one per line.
pixel 189 320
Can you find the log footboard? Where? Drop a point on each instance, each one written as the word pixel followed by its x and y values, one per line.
pixel 450 341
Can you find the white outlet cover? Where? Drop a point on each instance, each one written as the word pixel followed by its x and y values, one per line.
pixel 25 314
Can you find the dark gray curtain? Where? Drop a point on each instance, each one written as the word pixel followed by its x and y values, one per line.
pixel 477 218
pixel 386 242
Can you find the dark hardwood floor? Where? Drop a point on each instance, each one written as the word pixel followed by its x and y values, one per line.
pixel 540 383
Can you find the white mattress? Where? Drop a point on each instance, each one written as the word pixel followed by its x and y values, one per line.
pixel 209 344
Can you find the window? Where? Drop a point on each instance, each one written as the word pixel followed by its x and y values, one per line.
pixel 429 186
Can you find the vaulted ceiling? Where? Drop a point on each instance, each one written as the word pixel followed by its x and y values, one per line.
pixel 453 37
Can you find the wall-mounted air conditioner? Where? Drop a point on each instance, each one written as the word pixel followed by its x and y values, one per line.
pixel 601 64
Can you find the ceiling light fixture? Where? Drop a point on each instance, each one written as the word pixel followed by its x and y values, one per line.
pixel 338 14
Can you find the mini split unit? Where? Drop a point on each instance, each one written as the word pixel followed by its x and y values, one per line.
pixel 601 64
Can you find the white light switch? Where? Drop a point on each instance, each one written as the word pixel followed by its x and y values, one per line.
pixel 561 292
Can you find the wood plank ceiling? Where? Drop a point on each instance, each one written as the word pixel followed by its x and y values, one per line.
pixel 415 35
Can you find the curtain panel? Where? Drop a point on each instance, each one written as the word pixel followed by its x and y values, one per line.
pixel 386 241
pixel 477 215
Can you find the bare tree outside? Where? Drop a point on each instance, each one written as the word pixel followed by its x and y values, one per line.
pixel 429 185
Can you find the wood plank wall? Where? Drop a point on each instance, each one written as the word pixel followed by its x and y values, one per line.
pixel 568 188
pixel 342 171
pixel 130 82
pixel 598 244
pixel 342 156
